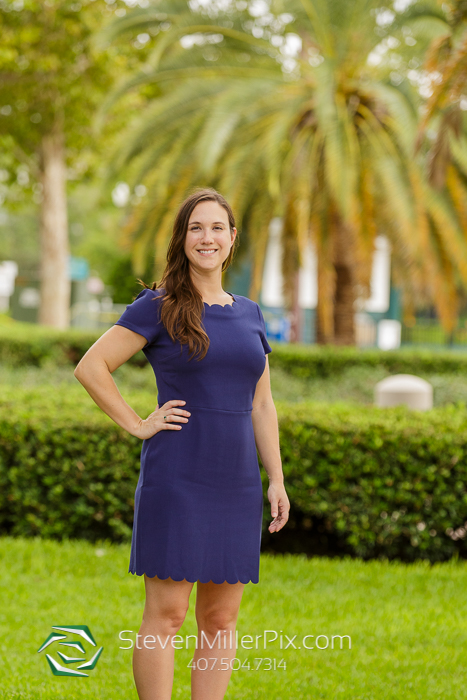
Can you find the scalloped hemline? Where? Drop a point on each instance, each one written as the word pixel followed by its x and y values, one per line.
pixel 143 573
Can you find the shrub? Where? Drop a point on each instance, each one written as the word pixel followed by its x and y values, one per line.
pixel 27 343
pixel 383 482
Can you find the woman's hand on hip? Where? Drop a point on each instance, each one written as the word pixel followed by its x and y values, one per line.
pixel 174 414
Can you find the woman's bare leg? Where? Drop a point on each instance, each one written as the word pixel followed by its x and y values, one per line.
pixel 164 612
pixel 217 607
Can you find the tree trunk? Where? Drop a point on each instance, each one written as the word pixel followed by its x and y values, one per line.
pixel 296 326
pixel 55 285
pixel 344 298
pixel 325 306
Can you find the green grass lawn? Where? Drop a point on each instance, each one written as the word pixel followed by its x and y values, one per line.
pixel 407 623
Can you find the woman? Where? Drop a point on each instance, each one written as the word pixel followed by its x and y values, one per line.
pixel 199 501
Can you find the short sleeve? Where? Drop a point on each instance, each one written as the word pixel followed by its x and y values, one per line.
pixel 142 316
pixel 266 346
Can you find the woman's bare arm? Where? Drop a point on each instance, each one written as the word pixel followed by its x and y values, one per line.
pixel 264 417
pixel 266 429
pixel 94 372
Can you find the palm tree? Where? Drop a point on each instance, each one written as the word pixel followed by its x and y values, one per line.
pixel 323 140
pixel 442 27
pixel 446 57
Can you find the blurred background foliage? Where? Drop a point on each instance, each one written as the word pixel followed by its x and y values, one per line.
pixel 346 119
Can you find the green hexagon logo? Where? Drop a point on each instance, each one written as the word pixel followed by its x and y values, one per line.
pixel 66 638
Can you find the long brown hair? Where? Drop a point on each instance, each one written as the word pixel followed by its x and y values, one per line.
pixel 182 305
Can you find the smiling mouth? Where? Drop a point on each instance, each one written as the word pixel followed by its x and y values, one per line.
pixel 208 251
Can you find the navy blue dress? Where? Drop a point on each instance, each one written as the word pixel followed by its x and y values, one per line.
pixel 199 498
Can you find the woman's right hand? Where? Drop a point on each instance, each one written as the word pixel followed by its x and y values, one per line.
pixel 155 421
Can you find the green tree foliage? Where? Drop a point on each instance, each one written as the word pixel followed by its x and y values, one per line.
pixel 324 139
pixel 52 79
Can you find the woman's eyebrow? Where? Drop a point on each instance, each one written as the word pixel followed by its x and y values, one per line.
pixel 198 222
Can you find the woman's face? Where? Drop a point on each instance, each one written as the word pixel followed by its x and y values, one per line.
pixel 208 230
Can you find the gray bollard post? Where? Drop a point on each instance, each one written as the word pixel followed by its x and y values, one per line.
pixel 406 389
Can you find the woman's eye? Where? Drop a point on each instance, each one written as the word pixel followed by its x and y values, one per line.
pixel 196 227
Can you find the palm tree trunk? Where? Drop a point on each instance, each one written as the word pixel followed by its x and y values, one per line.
pixel 55 285
pixel 295 327
pixel 326 289
pixel 345 292
pixel 325 306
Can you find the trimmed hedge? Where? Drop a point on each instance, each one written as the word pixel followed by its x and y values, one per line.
pixel 66 469
pixel 29 344
pixel 312 361
pixel 383 482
